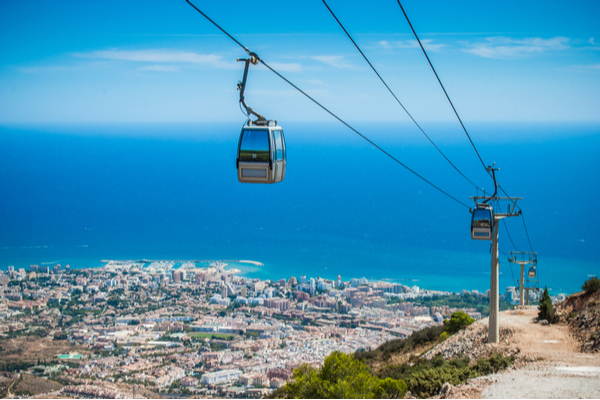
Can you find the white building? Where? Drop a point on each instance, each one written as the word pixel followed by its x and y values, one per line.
pixel 225 375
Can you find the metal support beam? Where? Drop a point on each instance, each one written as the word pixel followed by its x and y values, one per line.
pixel 494 331
pixel 523 258
pixel 511 211
pixel 522 286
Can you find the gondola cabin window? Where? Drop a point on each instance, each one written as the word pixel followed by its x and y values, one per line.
pixel 254 146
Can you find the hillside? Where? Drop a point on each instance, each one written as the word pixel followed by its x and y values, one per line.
pixel 549 362
pixel 544 361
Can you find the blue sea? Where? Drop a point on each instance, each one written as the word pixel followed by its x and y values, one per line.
pixel 78 194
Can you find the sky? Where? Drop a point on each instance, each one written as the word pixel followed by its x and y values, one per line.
pixel 161 61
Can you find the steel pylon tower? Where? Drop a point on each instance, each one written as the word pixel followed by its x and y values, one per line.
pixel 523 258
pixel 511 211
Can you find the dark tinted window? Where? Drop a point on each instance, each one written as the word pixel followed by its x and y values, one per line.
pixel 254 146
pixel 482 218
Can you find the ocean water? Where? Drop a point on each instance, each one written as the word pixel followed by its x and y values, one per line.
pixel 80 194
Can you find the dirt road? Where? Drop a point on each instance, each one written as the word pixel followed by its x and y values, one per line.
pixel 560 370
pixel 549 363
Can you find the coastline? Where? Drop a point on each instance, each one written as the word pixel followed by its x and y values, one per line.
pixel 453 277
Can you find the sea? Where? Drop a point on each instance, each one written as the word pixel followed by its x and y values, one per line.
pixel 79 194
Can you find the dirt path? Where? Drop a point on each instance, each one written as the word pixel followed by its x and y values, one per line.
pixel 549 364
pixel 8 393
pixel 559 369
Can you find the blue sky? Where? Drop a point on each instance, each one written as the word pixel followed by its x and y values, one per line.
pixel 161 61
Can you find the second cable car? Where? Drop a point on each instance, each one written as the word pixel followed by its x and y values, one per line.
pixel 482 222
pixel 532 273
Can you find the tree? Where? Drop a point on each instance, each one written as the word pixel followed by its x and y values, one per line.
pixel 341 377
pixel 545 307
pixel 457 321
pixel 591 285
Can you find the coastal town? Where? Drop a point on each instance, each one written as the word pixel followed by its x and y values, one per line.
pixel 188 329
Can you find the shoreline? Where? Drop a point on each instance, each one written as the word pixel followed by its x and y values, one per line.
pixel 252 269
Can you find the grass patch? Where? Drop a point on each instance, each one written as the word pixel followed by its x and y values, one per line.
pixel 222 336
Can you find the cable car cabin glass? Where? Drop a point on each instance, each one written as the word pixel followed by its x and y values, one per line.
pixel 482 223
pixel 261 155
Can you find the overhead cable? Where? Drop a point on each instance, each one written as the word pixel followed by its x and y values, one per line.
pixel 452 105
pixel 395 97
pixel 511 269
pixel 327 110
pixel 526 232
pixel 443 88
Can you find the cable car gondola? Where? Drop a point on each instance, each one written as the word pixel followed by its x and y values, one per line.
pixel 261 155
pixel 532 272
pixel 482 222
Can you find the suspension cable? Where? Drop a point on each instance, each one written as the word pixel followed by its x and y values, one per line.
pixel 508 233
pixel 395 97
pixel 526 232
pixel 440 82
pixel 328 111
pixel 456 112
pixel 511 269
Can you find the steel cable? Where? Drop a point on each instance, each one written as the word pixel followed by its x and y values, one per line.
pixel 327 110
pixel 395 97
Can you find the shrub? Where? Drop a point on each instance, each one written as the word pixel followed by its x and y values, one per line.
pixel 419 338
pixel 428 382
pixel 389 388
pixel 572 315
pixel 591 285
pixel 443 337
pixel 457 321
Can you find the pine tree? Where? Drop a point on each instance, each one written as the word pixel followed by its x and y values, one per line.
pixel 545 307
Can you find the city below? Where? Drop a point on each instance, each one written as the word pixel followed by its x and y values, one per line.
pixel 172 327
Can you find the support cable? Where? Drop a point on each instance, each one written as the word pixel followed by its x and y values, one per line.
pixel 508 233
pixel 511 269
pixel 327 110
pixel 440 82
pixel 395 97
pixel 454 109
pixel 522 217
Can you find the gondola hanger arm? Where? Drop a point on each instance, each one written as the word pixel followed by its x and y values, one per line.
pixel 242 85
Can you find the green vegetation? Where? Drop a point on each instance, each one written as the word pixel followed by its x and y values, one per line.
pixel 420 338
pixel 545 308
pixel 216 346
pixel 12 366
pixel 425 378
pixel 591 285
pixel 459 320
pixel 200 336
pixel 479 303
pixel 341 377
pixel 252 335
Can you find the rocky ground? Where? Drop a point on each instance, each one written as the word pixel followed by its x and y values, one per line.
pixel 549 362
pixel 582 313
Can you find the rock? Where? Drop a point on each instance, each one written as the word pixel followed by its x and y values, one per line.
pixel 446 388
